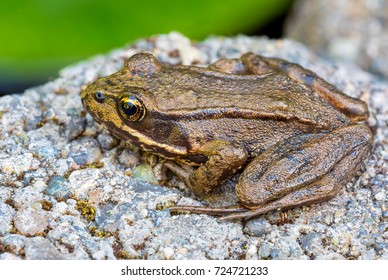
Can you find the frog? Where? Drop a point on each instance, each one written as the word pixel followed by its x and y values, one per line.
pixel 291 137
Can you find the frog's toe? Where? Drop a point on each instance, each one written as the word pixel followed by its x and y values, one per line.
pixel 216 211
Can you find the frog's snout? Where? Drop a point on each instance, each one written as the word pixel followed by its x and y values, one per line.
pixel 84 94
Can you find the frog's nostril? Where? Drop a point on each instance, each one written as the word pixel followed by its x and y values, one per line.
pixel 99 97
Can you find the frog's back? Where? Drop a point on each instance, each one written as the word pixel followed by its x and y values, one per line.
pixel 201 93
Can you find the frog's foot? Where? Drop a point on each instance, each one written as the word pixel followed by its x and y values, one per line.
pixel 355 109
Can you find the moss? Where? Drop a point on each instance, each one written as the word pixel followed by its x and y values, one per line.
pixel 95 165
pixel 99 232
pixel 9 201
pixel 102 233
pixel 92 230
pixel 14 230
pixel 67 174
pixel 86 210
pixel 122 254
pixel 41 123
pixel 46 205
pixel 164 205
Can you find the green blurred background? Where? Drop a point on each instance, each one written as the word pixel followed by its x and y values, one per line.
pixel 39 37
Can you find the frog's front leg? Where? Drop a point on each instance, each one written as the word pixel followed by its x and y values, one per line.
pixel 224 159
pixel 297 171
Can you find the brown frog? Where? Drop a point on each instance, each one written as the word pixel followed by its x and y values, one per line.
pixel 296 137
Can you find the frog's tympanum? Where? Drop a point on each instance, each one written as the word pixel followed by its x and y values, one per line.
pixel 296 138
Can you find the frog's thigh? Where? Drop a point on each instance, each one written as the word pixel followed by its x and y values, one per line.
pixel 313 172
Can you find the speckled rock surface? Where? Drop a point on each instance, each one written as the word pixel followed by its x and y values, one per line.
pixel 351 30
pixel 67 191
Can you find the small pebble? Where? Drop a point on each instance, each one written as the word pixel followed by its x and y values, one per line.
pixel 144 172
pixel 16 164
pixel 9 256
pixel 380 196
pixel 265 250
pixel 29 176
pixel 168 253
pixel 129 158
pixel 257 227
pixel 14 241
pixel 25 197
pixel 107 141
pixel 39 248
pixel 85 151
pixel 74 127
pixel 251 252
pixel 310 242
pixel 30 222
pixel 48 152
pixel 6 215
pixel 58 188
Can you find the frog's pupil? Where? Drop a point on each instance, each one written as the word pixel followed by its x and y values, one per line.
pixel 132 108
pixel 129 108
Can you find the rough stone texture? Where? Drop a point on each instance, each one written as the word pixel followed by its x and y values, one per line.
pixel 39 248
pixel 352 30
pixel 84 204
pixel 30 222
pixel 6 214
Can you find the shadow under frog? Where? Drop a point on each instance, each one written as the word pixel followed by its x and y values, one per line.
pixel 297 137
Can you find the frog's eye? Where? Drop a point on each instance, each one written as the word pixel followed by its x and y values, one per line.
pixel 132 108
pixel 99 96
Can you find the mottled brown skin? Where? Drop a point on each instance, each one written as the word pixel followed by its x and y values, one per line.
pixel 298 134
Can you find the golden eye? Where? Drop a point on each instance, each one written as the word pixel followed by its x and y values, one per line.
pixel 132 108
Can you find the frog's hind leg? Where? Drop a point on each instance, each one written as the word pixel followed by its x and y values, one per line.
pixel 355 109
pixel 313 171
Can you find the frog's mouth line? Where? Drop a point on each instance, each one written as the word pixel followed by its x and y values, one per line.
pixel 146 143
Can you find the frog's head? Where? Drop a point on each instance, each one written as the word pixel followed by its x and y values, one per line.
pixel 123 105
